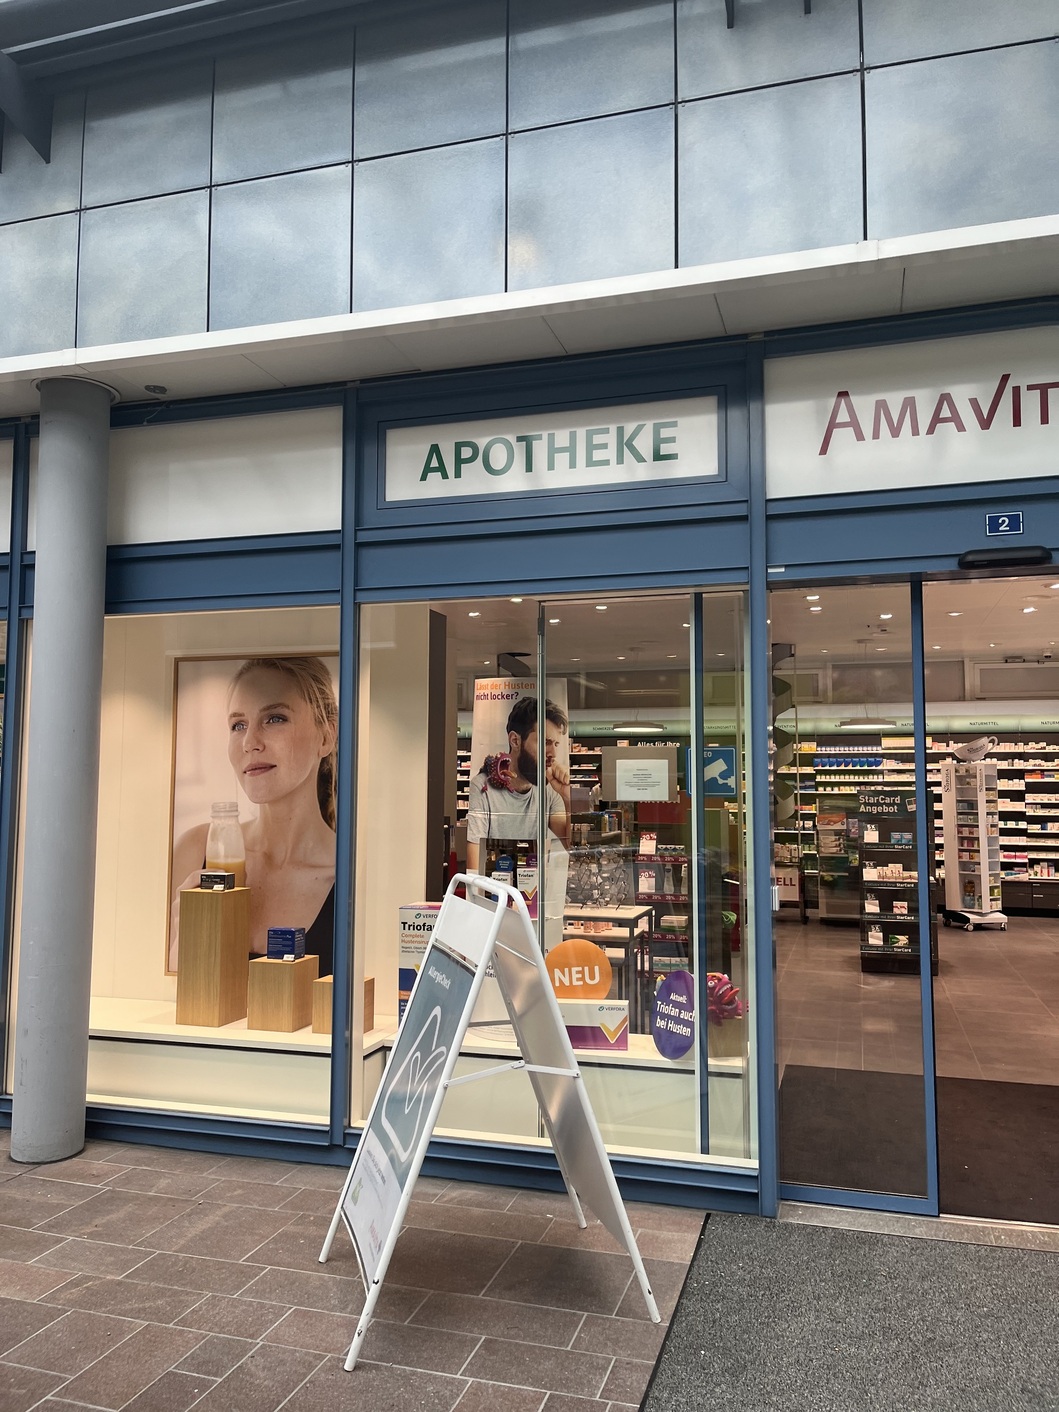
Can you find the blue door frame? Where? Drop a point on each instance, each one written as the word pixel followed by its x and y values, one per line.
pixel 928 1204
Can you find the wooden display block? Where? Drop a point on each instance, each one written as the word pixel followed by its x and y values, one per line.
pixel 323 992
pixel 280 993
pixel 213 957
pixel 728 1039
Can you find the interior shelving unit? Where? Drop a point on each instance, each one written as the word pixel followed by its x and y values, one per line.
pixel 971 821
pixel 830 770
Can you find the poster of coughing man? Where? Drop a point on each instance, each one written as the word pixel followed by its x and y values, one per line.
pixel 520 762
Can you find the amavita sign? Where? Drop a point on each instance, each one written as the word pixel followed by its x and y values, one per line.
pixel 938 412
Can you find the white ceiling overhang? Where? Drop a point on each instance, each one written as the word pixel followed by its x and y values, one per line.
pixel 872 279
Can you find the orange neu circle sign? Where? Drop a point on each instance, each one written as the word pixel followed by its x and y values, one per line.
pixel 579 970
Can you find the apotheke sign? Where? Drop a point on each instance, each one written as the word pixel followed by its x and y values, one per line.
pixel 940 412
pixel 555 451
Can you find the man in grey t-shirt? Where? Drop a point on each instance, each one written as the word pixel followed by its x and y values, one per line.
pixel 504 793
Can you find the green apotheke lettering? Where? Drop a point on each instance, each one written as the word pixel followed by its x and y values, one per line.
pixel 555 452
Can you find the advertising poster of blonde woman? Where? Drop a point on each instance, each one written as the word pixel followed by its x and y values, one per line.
pixel 254 791
pixel 520 755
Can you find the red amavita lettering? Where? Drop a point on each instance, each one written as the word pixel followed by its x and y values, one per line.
pixel 1042 389
pixel 907 412
pixel 985 419
pixel 945 413
pixel 843 403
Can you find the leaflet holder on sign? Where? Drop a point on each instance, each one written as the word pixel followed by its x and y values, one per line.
pixel 491 925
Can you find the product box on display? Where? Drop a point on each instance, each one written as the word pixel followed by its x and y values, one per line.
pixel 596 1024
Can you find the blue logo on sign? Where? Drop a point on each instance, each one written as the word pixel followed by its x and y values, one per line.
pixel 720 774
pixel 1011 523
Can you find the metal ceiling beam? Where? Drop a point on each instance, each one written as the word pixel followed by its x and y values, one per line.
pixel 26 107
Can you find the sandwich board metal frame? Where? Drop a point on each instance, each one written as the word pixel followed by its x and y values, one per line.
pixel 489 926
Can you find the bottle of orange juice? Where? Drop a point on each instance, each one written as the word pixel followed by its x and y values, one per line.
pixel 225 849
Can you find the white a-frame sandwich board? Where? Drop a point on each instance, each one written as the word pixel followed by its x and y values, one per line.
pixel 490 924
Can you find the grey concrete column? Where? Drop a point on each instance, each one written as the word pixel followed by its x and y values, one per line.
pixel 58 875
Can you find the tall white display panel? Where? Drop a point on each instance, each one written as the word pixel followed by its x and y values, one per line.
pixel 971 819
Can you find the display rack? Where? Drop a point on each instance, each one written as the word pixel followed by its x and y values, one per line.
pixel 971 823
pixel 889 897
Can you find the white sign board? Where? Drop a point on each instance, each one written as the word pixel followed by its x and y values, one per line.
pixel 641 779
pixel 583 448
pixel 490 925
pixel 938 412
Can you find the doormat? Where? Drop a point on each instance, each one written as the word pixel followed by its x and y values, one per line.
pixel 862 1130
pixel 998 1150
pixel 853 1128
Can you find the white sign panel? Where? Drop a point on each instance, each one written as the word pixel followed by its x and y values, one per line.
pixel 641 779
pixel 388 1159
pixel 939 412
pixel 584 448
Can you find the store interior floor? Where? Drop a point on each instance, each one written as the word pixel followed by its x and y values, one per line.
pixel 159 1280
pixel 850 1055
pixel 996 1002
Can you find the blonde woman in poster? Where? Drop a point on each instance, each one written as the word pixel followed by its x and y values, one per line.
pixel 282 723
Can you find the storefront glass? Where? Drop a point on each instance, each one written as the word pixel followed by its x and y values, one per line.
pixel 633 870
pixel 202 710
pixel 847 931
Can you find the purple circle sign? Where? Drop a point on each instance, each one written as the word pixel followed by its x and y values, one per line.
pixel 673 1015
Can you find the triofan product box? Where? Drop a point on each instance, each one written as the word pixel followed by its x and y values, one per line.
pixel 416 922
pixel 596 1024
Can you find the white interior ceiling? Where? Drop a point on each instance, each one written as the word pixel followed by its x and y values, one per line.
pixel 871 279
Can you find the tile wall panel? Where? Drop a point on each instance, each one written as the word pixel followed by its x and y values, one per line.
pixel 148 135
pixel 277 110
pixel 429 225
pixel 591 200
pixel 771 170
pixel 280 248
pixel 38 279
pixel 963 141
pixel 584 58
pixel 770 43
pixel 143 269
pixel 439 78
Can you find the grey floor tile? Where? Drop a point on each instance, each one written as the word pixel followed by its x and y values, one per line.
pixel 17 1243
pixel 236 1318
pixel 589 1281
pixel 19 1281
pixel 71 1343
pixel 619 1338
pixel 129 1299
pixel 500 1318
pixel 92 1257
pixel 23 1388
pixel 221 1232
pixel 125 1371
pixel 499 1397
pixel 262 1381
pixel 216 1356
pixel 22 1318
pixel 126 1215
pixel 430 1350
pixel 196 1272
pixel 503 1361
pixel 172 1392
pixel 441 1260
pixel 377 1386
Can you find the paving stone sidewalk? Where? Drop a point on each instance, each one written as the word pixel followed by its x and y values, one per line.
pixel 156 1280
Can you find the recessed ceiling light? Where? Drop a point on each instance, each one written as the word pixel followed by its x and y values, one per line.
pixel 621 659
pixel 685 625
pixel 722 654
pixel 575 659
pixel 1029 610
pixel 880 649
pixel 486 662
pixel 516 600
pixel 1053 585
pixel 671 655
pixel 992 644
pixel 812 598
pixel 955 615
pixel 555 620
pixel 937 647
pixel 886 615
pixel 474 615
pixel 816 610
pixel 824 651
pixel 601 607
